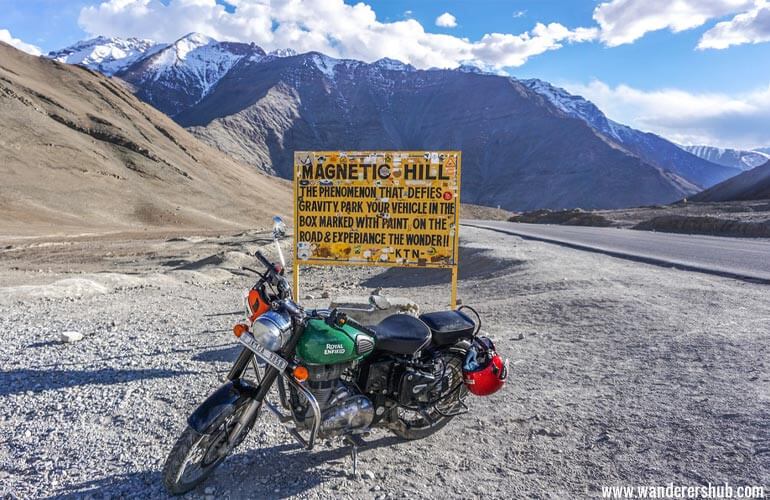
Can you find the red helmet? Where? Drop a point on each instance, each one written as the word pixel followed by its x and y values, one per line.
pixel 484 371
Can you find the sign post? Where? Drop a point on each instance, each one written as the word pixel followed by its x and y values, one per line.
pixel 377 208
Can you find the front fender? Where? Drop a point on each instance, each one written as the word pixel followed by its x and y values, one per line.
pixel 220 404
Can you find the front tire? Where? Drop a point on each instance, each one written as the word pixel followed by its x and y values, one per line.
pixel 195 456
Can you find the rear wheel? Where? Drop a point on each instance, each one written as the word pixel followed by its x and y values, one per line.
pixel 195 456
pixel 413 424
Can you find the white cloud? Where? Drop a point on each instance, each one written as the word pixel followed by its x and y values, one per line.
pixel 625 21
pixel 739 120
pixel 519 13
pixel 5 36
pixel 750 27
pixel 514 50
pixel 446 20
pixel 329 26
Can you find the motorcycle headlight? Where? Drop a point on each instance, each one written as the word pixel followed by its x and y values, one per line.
pixel 271 330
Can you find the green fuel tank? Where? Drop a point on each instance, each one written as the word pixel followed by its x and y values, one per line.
pixel 323 344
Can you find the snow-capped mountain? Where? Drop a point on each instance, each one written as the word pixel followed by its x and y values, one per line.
pixel 650 147
pixel 745 160
pixel 181 74
pixel 559 150
pixel 106 55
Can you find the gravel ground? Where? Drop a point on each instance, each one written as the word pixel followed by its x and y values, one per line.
pixel 622 374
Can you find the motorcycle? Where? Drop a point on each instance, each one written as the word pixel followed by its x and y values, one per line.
pixel 334 377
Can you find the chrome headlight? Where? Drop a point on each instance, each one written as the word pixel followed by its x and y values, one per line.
pixel 271 330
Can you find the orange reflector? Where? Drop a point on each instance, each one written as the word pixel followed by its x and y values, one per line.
pixel 300 373
pixel 239 329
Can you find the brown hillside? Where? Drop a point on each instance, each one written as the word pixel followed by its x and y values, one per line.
pixel 79 153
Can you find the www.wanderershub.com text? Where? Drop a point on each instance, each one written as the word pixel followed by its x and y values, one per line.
pixel 676 491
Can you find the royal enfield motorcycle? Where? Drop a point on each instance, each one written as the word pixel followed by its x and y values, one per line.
pixel 334 377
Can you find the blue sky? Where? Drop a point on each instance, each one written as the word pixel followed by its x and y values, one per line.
pixel 699 72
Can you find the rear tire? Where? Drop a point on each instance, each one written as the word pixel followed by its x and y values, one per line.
pixel 195 456
pixel 419 427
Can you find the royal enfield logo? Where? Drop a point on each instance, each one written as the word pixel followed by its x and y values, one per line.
pixel 334 349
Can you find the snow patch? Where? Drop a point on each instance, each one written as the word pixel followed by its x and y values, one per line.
pixel 325 64
pixel 389 64
pixel 106 55
pixel 283 53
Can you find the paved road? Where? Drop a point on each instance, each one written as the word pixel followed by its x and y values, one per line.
pixel 742 258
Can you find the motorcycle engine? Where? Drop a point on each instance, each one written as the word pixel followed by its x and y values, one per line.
pixel 343 408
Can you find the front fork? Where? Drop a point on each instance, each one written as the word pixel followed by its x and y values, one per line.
pixel 236 372
pixel 240 364
pixel 266 382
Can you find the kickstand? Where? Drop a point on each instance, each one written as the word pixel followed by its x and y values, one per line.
pixel 354 442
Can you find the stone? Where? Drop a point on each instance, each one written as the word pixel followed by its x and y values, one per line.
pixel 374 308
pixel 70 337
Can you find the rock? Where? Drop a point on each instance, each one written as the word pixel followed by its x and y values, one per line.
pixel 70 337
pixel 373 309
pixel 368 475
pixel 209 490
pixel 325 294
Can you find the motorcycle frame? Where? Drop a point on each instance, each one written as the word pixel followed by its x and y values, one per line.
pixel 223 401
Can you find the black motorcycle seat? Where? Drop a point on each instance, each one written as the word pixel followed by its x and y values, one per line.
pixel 449 327
pixel 401 334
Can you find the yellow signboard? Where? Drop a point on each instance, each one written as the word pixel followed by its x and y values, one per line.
pixel 386 208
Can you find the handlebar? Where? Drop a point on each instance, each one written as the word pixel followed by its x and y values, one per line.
pixel 339 318
pixel 264 260
pixel 275 277
pixel 358 326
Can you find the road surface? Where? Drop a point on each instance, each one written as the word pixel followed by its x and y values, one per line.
pixel 741 258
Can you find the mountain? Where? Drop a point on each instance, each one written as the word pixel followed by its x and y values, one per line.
pixel 219 89
pixel 736 158
pixel 181 74
pixel 753 184
pixel 519 150
pixel 106 55
pixel 79 153
pixel 651 148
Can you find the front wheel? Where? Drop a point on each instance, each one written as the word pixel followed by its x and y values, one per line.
pixel 195 456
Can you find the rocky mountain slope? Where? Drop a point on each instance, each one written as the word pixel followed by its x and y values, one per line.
pixel 519 151
pixel 751 185
pixel 107 55
pixel 650 147
pixel 736 158
pixel 78 152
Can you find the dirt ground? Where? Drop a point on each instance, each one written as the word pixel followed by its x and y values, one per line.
pixel 621 374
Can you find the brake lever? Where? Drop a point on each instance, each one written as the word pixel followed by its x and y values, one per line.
pixel 254 271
